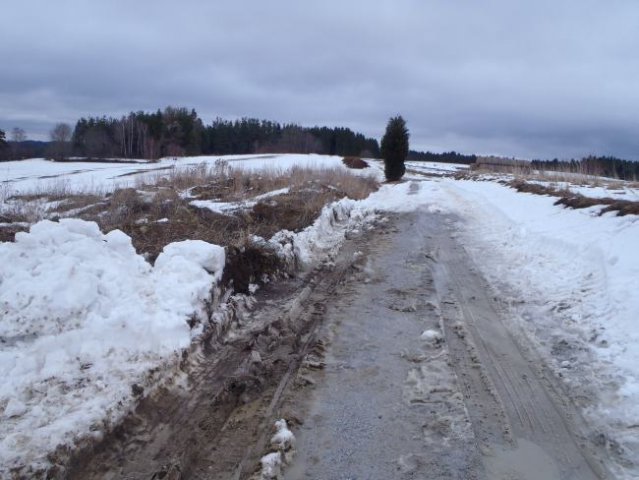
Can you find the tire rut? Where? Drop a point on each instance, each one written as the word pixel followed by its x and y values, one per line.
pixel 525 427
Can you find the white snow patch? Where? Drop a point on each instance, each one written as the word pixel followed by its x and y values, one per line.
pixel 284 442
pixel 271 466
pixel 225 207
pixel 431 336
pixel 83 318
pixel 283 438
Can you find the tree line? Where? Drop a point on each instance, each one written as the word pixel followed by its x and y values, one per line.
pixel 603 166
pixel 18 147
pixel 446 157
pixel 177 131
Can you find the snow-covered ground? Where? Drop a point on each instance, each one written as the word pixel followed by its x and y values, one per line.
pixel 34 175
pixel 85 317
pixel 435 168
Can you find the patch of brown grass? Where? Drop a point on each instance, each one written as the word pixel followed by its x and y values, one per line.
pixel 187 223
pixel 622 207
pixel 537 189
pixel 577 201
pixel 77 202
pixel 138 212
pixel 355 162
pixel 8 233
pixel 293 212
pixel 156 213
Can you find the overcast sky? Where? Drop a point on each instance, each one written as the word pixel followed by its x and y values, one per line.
pixel 520 78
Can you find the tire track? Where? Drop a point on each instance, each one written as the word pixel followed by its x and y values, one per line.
pixel 513 411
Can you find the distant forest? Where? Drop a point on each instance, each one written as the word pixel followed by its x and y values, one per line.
pixel 178 131
pixel 446 157
pixel 604 166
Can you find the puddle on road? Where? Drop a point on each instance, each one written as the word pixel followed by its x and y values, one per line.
pixel 525 462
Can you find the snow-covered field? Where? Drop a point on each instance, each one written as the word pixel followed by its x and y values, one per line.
pixel 85 317
pixel 36 175
pixel 435 168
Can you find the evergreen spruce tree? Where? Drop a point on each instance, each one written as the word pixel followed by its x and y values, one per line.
pixel 4 146
pixel 395 148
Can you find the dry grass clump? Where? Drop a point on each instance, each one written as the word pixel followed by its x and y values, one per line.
pixel 622 207
pixel 224 183
pixel 537 189
pixel 310 191
pixel 76 203
pixel 577 201
pixel 355 162
pixel 340 181
pixel 8 232
pixel 294 212
pixel 185 177
pixel 159 215
pixel 187 223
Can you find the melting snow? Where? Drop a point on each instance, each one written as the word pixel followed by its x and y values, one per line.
pixel 83 318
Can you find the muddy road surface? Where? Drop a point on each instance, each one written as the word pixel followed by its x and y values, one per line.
pixel 425 379
pixel 397 361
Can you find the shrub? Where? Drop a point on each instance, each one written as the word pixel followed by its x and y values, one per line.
pixel 395 148
pixel 355 162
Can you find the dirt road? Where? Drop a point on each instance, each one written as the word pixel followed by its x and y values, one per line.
pixel 397 362
pixel 475 403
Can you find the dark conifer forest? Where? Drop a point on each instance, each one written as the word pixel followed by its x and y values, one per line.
pixel 180 131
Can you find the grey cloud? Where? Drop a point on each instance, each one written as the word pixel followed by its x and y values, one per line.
pixel 534 79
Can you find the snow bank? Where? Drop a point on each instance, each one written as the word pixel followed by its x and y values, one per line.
pixel 321 239
pixel 83 318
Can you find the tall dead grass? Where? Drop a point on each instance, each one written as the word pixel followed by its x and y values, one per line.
pixel 158 210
